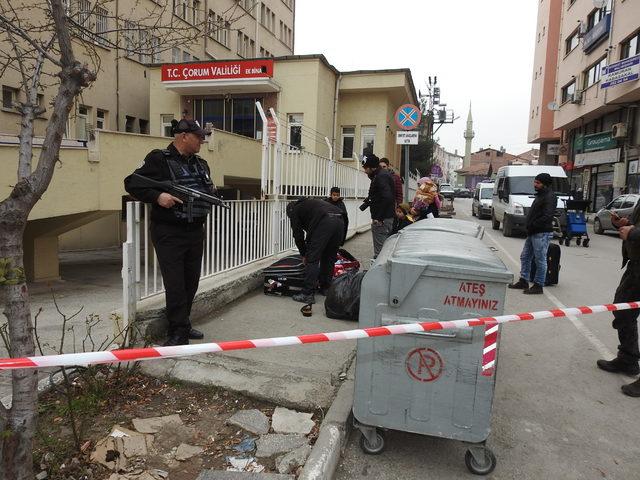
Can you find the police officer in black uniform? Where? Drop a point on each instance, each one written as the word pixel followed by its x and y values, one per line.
pixel 177 225
pixel 324 229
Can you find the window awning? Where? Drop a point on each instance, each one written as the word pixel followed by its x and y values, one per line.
pixel 221 87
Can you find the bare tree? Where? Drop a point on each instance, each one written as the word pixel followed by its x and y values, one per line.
pixel 52 45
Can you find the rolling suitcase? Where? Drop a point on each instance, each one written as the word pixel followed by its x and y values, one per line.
pixel 553 265
pixel 286 276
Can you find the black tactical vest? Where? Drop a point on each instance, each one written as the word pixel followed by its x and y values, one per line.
pixel 193 174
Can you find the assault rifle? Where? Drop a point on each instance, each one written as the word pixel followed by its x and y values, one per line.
pixel 179 191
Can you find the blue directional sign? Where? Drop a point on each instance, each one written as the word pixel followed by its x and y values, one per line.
pixel 408 117
pixel 626 70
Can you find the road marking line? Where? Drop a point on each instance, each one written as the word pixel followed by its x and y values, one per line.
pixel 580 326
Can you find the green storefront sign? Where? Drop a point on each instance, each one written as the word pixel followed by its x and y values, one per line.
pixel 596 141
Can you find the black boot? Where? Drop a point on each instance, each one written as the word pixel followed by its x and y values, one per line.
pixel 632 389
pixel 195 334
pixel 175 340
pixel 534 289
pixel 618 365
pixel 521 284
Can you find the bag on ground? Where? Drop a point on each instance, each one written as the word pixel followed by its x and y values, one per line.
pixel 343 297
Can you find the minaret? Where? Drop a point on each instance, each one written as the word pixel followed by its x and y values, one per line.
pixel 468 136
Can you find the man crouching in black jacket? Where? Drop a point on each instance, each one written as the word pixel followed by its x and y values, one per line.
pixel 539 234
pixel 324 229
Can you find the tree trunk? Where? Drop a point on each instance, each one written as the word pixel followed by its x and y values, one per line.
pixel 19 422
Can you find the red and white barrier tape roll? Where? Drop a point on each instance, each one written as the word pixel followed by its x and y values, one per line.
pixel 134 354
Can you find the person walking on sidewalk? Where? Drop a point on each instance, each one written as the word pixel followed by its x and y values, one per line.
pixel 626 321
pixel 539 225
pixel 381 199
pixel 324 230
pixel 177 232
pixel 397 180
pixel 336 200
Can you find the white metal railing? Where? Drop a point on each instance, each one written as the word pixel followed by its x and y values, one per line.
pixel 413 185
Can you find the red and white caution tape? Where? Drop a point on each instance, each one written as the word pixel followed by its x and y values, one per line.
pixel 134 354
pixel 490 349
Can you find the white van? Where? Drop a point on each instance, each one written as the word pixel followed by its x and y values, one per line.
pixel 513 194
pixel 482 200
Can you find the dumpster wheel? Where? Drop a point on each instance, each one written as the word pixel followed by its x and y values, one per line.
pixel 376 448
pixel 480 468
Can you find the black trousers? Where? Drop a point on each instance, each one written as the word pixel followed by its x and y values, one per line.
pixel 322 250
pixel 626 321
pixel 179 250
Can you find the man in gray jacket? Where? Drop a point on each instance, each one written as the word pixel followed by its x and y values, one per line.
pixel 626 321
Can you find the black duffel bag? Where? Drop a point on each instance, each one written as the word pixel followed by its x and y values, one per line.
pixel 343 297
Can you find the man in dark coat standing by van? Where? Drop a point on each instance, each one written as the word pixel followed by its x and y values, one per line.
pixel 626 321
pixel 539 233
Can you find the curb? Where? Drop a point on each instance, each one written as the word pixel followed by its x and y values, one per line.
pixel 333 435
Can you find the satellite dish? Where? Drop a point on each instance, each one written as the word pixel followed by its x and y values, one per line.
pixel 553 106
pixel 600 3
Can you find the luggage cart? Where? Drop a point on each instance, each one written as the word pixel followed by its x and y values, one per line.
pixel 440 383
pixel 575 224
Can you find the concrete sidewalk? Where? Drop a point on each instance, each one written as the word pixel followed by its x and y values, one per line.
pixel 302 377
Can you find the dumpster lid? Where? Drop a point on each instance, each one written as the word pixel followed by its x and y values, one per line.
pixel 417 252
pixel 461 227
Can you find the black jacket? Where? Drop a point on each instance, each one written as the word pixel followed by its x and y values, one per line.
pixel 345 217
pixel 631 246
pixel 305 215
pixel 382 195
pixel 540 217
pixel 432 208
pixel 155 166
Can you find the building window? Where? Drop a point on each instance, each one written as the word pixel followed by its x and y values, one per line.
pixel 240 44
pixel 101 119
pixel 368 139
pixel 295 130
pixel 175 55
pixel 9 97
pixel 568 91
pixel 130 32
pixel 155 50
pixel 84 15
pixel 592 75
pixel 571 42
pixel 186 56
pixel 102 26
pixel 144 126
pixel 195 12
pixel 630 47
pixel 129 124
pixel 165 120
pixel 81 122
pixel 596 15
pixel 348 136
pixel 145 46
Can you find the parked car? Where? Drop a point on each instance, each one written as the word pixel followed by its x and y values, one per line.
pixel 462 193
pixel 482 200
pixel 622 205
pixel 447 190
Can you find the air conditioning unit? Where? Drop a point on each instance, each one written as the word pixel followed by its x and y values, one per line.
pixel 619 130
pixel 577 97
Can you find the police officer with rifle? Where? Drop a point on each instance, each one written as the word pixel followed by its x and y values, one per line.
pixel 177 183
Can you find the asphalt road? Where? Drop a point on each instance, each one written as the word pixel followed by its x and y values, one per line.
pixel 555 415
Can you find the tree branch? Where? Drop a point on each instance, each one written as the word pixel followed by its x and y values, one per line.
pixel 10 26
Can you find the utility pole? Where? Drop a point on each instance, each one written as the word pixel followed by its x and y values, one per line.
pixel 434 112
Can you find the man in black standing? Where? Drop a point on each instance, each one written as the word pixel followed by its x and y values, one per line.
pixel 177 226
pixel 539 233
pixel 336 200
pixel 626 321
pixel 381 199
pixel 324 228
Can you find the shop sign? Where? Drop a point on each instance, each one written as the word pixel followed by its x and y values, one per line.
pixel 553 149
pixel 597 158
pixel 598 33
pixel 597 141
pixel 240 69
pixel 627 70
pixel 633 167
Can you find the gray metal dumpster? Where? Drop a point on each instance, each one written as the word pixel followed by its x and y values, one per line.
pixel 430 383
pixel 462 227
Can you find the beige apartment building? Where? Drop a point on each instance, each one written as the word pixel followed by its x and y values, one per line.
pixel 597 94
pixel 313 101
pixel 119 98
